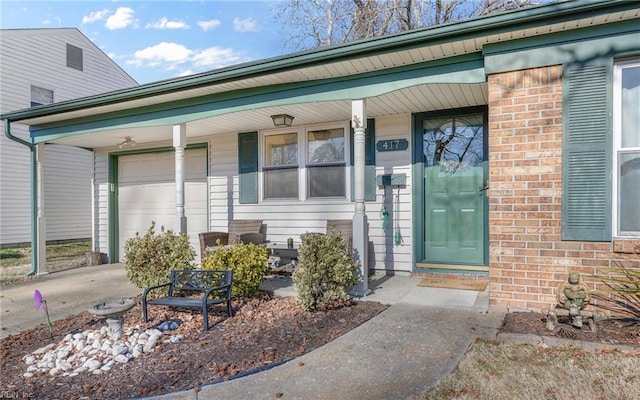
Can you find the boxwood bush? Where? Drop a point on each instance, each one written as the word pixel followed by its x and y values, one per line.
pixel 325 271
pixel 248 263
pixel 150 258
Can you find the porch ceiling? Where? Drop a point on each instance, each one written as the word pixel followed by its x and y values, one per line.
pixel 413 99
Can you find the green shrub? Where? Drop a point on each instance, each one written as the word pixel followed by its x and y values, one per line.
pixel 150 258
pixel 248 263
pixel 326 269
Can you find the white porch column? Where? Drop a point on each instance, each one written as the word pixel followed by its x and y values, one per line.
pixel 179 143
pixel 41 255
pixel 360 228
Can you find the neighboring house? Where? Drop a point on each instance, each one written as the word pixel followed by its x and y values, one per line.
pixel 503 148
pixel 38 67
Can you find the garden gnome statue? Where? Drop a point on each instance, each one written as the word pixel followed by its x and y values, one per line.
pixel 573 295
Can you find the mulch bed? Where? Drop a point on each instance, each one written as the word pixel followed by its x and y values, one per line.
pixel 264 331
pixel 613 331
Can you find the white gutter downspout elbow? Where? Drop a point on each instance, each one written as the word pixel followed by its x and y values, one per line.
pixel 34 191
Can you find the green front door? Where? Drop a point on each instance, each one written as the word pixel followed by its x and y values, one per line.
pixel 453 194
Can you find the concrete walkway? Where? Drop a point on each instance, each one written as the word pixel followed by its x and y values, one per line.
pixel 405 350
pixel 67 293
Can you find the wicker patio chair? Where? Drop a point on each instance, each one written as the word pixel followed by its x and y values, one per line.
pixel 249 229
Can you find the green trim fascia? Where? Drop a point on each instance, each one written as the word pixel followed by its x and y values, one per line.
pixel 417 197
pixel 482 26
pixel 561 48
pixel 465 69
pixel 112 218
pixel 557 38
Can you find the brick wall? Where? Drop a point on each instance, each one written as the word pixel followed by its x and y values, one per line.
pixel 528 261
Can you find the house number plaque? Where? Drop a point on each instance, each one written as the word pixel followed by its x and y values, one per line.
pixel 392 145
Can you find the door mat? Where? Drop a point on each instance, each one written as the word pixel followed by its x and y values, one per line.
pixel 449 283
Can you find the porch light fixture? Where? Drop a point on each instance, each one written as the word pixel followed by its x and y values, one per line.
pixel 127 142
pixel 282 120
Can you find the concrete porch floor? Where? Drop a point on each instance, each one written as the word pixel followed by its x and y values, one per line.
pixel 397 289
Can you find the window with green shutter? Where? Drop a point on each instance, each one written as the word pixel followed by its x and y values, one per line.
pixel 325 164
pixel 248 167
pixel 369 162
pixel 587 151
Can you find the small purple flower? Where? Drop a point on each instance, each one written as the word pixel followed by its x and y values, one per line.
pixel 41 302
pixel 37 296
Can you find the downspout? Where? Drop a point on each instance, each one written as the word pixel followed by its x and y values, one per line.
pixel 34 191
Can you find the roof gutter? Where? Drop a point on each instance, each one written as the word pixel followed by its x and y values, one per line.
pixel 34 191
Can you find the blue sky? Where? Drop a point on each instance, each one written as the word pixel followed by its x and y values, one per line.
pixel 156 40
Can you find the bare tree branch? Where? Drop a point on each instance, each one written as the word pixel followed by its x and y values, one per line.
pixel 307 24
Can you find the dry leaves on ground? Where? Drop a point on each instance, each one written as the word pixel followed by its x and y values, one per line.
pixel 263 332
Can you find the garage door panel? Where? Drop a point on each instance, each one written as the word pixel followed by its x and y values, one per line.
pixel 146 193
pixel 156 167
pixel 195 168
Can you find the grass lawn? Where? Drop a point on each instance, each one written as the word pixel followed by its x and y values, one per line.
pixel 492 370
pixel 15 262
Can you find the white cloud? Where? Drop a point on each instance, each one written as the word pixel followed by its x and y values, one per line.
pixel 245 25
pixel 47 21
pixel 164 23
pixel 186 72
pixel 215 57
pixel 208 25
pixel 122 18
pixel 163 53
pixel 94 16
pixel 176 57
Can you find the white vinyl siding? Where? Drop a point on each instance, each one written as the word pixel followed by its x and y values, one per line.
pixel 38 57
pixel 397 201
pixel 100 218
pixel 68 170
pixel 15 206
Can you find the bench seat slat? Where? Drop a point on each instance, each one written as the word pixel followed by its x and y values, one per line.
pixel 183 302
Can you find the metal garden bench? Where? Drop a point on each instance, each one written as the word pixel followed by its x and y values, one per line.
pixel 215 287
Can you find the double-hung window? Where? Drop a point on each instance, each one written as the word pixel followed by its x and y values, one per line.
pixel 326 163
pixel 626 127
pixel 306 164
pixel 280 169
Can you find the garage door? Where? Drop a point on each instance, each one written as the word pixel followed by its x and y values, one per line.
pixel 146 193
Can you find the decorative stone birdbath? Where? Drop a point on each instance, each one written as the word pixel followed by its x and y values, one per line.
pixel 113 310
